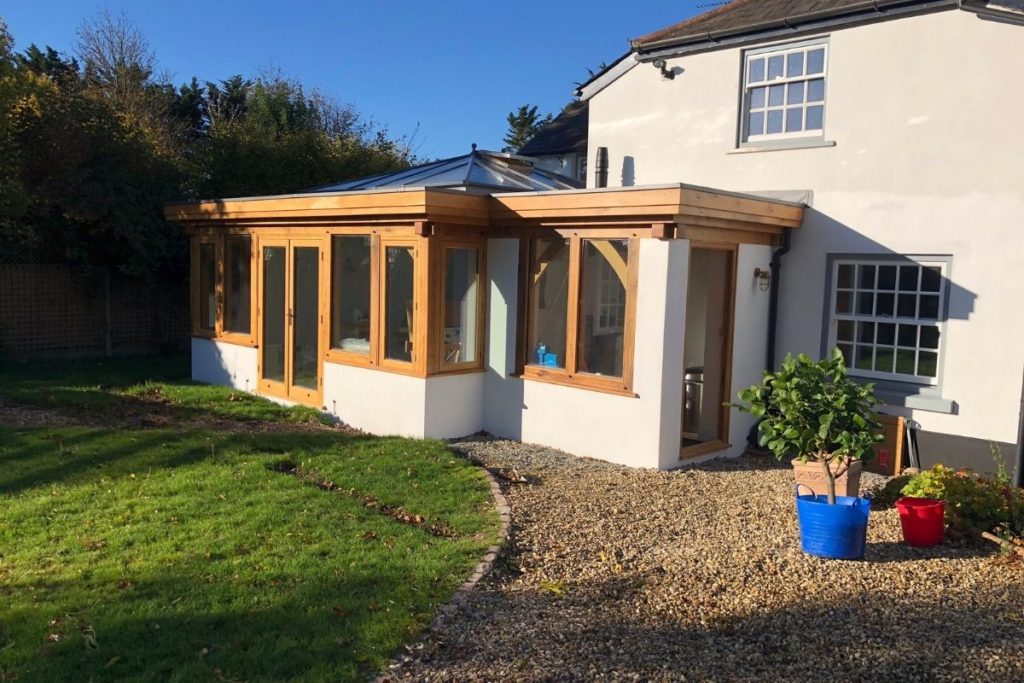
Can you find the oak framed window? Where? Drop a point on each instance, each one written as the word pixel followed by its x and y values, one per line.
pixel 353 293
pixel 579 311
pixel 239 296
pixel 460 327
pixel 205 287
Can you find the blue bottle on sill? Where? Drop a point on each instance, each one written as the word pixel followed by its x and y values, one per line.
pixel 550 360
pixel 542 350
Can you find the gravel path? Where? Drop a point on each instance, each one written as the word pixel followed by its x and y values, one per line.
pixel 621 574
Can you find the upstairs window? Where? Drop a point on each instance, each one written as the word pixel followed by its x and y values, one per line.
pixel 784 92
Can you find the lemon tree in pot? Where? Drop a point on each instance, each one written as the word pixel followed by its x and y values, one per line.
pixel 814 412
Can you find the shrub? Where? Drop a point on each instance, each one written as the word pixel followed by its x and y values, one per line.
pixel 814 411
pixel 973 503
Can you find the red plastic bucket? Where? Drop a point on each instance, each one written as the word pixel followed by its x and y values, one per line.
pixel 922 520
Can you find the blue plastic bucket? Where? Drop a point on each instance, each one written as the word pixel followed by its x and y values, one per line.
pixel 835 531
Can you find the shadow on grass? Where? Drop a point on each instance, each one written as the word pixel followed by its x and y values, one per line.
pixel 31 458
pixel 342 629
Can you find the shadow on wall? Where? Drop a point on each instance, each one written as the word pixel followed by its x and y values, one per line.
pixel 628 171
pixel 503 394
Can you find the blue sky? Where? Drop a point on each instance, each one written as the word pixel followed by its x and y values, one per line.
pixel 448 71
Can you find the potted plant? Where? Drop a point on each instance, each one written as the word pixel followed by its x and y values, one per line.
pixel 815 413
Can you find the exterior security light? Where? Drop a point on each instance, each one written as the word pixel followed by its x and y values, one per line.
pixel 764 279
pixel 666 72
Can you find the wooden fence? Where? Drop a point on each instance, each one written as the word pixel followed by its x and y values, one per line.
pixel 56 310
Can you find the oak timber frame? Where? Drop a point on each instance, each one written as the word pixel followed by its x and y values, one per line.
pixel 431 221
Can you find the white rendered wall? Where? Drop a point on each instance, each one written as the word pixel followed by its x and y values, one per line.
pixel 383 403
pixel 927 160
pixel 640 431
pixel 388 403
pixel 454 405
pixel 224 364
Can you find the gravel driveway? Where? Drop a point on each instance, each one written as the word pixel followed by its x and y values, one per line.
pixel 622 574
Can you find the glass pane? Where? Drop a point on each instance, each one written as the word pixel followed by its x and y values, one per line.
pixel 756 70
pixel 865 302
pixel 350 293
pixel 908 335
pixel 866 277
pixel 239 284
pixel 207 285
pixel 795 65
pixel 844 302
pixel 931 278
pixel 795 93
pixel 845 280
pixel 549 303
pixel 847 351
pixel 864 359
pixel 887 277
pixel 306 317
pixel 908 278
pixel 866 333
pixel 602 323
pixel 461 305
pixel 904 362
pixel 929 307
pixel 929 337
pixel 816 90
pixel 887 333
pixel 927 363
pixel 907 306
pixel 844 330
pixel 757 96
pixel 886 304
pixel 816 61
pixel 775 67
pixel 815 117
pixel 399 311
pixel 775 121
pixel 273 312
pixel 794 119
pixel 776 95
pixel 884 358
pixel 755 124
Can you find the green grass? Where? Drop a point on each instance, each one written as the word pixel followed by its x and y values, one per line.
pixel 183 554
pixel 120 388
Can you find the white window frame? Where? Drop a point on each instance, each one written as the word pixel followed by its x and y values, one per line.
pixel 938 321
pixel 804 47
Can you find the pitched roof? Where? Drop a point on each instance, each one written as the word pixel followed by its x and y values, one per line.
pixel 741 16
pixel 566 133
pixel 479 171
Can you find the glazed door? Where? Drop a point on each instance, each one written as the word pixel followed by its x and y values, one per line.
pixel 290 320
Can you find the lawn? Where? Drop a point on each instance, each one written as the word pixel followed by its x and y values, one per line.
pixel 183 553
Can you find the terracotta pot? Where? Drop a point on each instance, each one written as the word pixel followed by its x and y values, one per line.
pixel 811 475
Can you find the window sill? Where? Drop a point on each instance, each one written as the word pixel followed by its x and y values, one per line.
pixel 390 366
pixel 581 381
pixel 780 145
pixel 932 404
pixel 223 339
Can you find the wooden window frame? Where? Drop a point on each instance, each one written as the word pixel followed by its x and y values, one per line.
pixel 335 355
pixel 438 365
pixel 196 289
pixel 570 375
pixel 417 366
pixel 224 334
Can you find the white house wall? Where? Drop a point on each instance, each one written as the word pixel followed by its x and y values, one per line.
pixel 750 337
pixel 454 405
pixel 924 113
pixel 230 365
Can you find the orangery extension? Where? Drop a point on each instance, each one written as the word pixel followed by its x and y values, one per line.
pixel 484 293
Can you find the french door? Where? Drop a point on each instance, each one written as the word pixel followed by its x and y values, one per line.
pixel 289 315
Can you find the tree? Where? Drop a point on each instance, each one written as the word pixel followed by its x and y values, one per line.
pixel 523 124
